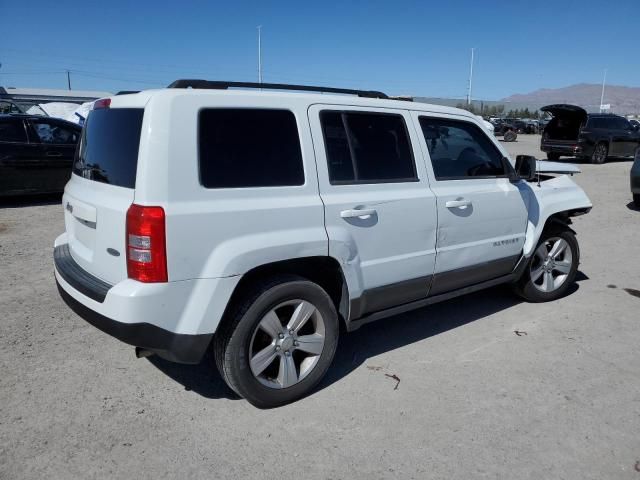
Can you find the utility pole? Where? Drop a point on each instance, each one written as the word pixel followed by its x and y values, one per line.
pixel 68 80
pixel 604 79
pixel 470 78
pixel 259 53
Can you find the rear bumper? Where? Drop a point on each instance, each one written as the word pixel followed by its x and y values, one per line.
pixel 176 347
pixel 569 149
pixel 175 319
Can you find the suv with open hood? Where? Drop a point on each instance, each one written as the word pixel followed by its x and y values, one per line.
pixel 591 136
pixel 253 223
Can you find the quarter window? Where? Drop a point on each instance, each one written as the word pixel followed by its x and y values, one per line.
pixel 367 147
pixel 460 150
pixel 249 148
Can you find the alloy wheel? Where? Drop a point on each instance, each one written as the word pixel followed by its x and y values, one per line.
pixel 551 264
pixel 600 154
pixel 286 344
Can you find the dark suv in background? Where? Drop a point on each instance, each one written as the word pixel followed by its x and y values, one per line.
pixel 592 136
pixel 36 153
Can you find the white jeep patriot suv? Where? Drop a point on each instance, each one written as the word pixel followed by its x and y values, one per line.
pixel 254 223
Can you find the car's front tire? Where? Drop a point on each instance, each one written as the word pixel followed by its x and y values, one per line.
pixel 278 342
pixel 552 268
pixel 636 200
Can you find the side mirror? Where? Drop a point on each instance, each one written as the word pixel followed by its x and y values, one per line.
pixel 526 167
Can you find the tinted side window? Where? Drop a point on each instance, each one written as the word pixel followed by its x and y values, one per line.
pixel 249 148
pixel 54 134
pixel 12 131
pixel 460 150
pixel 367 148
pixel 620 123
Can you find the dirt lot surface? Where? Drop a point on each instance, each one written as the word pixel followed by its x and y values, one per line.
pixel 489 387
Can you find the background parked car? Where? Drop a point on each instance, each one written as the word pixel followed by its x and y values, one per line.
pixel 36 154
pixel 594 136
pixel 505 129
pixel 531 126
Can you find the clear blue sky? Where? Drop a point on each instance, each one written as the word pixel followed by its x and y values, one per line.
pixel 401 47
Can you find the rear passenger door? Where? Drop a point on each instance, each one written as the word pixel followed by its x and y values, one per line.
pixel 617 136
pixel 380 214
pixel 482 216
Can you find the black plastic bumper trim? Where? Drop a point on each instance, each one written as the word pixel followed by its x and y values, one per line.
pixel 176 347
pixel 77 277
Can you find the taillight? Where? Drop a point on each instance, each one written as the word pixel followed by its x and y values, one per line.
pixel 102 103
pixel 146 244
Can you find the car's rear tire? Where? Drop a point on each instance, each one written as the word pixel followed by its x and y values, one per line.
pixel 510 136
pixel 600 153
pixel 552 268
pixel 636 200
pixel 553 157
pixel 278 342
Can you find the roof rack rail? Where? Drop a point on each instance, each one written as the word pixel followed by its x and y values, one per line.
pixel 221 85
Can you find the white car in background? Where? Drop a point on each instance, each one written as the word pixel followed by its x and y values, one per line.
pixel 253 223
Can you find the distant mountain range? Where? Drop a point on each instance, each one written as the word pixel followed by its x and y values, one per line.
pixel 623 100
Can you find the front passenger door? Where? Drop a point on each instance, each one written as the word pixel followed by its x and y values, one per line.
pixel 482 216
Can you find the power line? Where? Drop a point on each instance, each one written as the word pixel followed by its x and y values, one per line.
pixel 33 73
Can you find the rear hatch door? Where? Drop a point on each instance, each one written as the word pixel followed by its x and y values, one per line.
pixel 571 117
pixel 101 189
pixel 560 109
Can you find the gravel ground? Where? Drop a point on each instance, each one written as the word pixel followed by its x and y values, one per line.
pixel 490 387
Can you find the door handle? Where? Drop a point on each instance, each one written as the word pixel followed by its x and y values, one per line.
pixel 360 213
pixel 54 154
pixel 458 204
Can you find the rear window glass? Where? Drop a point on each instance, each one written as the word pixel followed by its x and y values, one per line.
pixel 108 150
pixel 249 148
